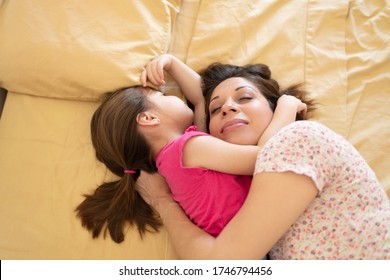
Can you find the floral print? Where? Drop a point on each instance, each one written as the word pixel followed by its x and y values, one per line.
pixel 350 217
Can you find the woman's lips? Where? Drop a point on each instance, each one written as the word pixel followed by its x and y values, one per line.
pixel 232 125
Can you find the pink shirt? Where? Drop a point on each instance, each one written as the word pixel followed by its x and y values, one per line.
pixel 350 218
pixel 208 197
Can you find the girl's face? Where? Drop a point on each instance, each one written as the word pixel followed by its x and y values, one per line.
pixel 239 113
pixel 172 109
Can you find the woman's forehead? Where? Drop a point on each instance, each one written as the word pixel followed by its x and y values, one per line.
pixel 233 85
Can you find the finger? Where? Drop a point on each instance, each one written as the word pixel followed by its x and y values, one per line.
pixel 303 108
pixel 151 74
pixel 159 72
pixel 143 78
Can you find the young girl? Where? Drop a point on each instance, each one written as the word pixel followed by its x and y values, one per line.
pixel 138 128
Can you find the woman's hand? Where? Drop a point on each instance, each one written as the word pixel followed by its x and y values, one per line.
pixel 154 70
pixel 154 190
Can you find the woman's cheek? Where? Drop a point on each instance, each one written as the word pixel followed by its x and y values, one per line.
pixel 213 127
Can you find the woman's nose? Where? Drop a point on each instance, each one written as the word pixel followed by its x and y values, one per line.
pixel 229 107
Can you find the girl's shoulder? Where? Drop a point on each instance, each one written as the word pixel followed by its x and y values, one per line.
pixel 190 132
pixel 179 143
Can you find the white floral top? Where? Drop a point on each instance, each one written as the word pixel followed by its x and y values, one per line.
pixel 350 218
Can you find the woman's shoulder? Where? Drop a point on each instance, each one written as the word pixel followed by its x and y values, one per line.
pixel 307 125
pixel 310 132
pixel 306 128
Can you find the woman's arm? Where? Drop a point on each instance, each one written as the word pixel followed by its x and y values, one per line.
pixel 188 80
pixel 274 203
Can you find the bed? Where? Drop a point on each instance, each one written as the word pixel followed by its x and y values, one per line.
pixel 58 58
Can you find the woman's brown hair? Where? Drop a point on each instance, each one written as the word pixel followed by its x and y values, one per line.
pixel 260 76
pixel 120 146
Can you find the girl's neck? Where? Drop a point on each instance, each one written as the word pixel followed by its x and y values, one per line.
pixel 160 140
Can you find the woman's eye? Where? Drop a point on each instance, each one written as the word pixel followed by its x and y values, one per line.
pixel 215 110
pixel 244 98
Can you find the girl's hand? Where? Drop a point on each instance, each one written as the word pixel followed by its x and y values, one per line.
pixel 288 101
pixel 154 70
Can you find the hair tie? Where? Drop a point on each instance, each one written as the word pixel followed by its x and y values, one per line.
pixel 129 171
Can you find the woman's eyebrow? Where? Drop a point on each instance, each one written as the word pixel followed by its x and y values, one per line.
pixel 215 97
pixel 237 89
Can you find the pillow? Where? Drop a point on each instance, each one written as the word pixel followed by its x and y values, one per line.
pixel 79 50
pixel 292 37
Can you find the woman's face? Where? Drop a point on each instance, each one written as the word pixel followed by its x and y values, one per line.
pixel 239 113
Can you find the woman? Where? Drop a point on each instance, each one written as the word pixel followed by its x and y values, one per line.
pixel 313 196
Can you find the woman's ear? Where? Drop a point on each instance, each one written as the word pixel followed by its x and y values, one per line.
pixel 147 118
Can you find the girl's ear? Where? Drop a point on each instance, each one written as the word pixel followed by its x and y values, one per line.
pixel 147 119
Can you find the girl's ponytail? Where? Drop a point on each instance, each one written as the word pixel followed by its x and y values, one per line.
pixel 119 145
pixel 112 205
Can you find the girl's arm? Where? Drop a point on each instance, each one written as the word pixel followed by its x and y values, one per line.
pixel 212 153
pixel 285 113
pixel 188 80
pixel 215 154
pixel 274 203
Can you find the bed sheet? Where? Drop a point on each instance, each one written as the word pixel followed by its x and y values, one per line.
pixel 47 163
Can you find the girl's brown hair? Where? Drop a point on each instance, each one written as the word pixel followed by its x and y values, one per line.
pixel 119 145
pixel 260 76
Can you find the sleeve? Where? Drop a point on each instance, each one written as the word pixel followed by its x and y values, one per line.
pixel 303 147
